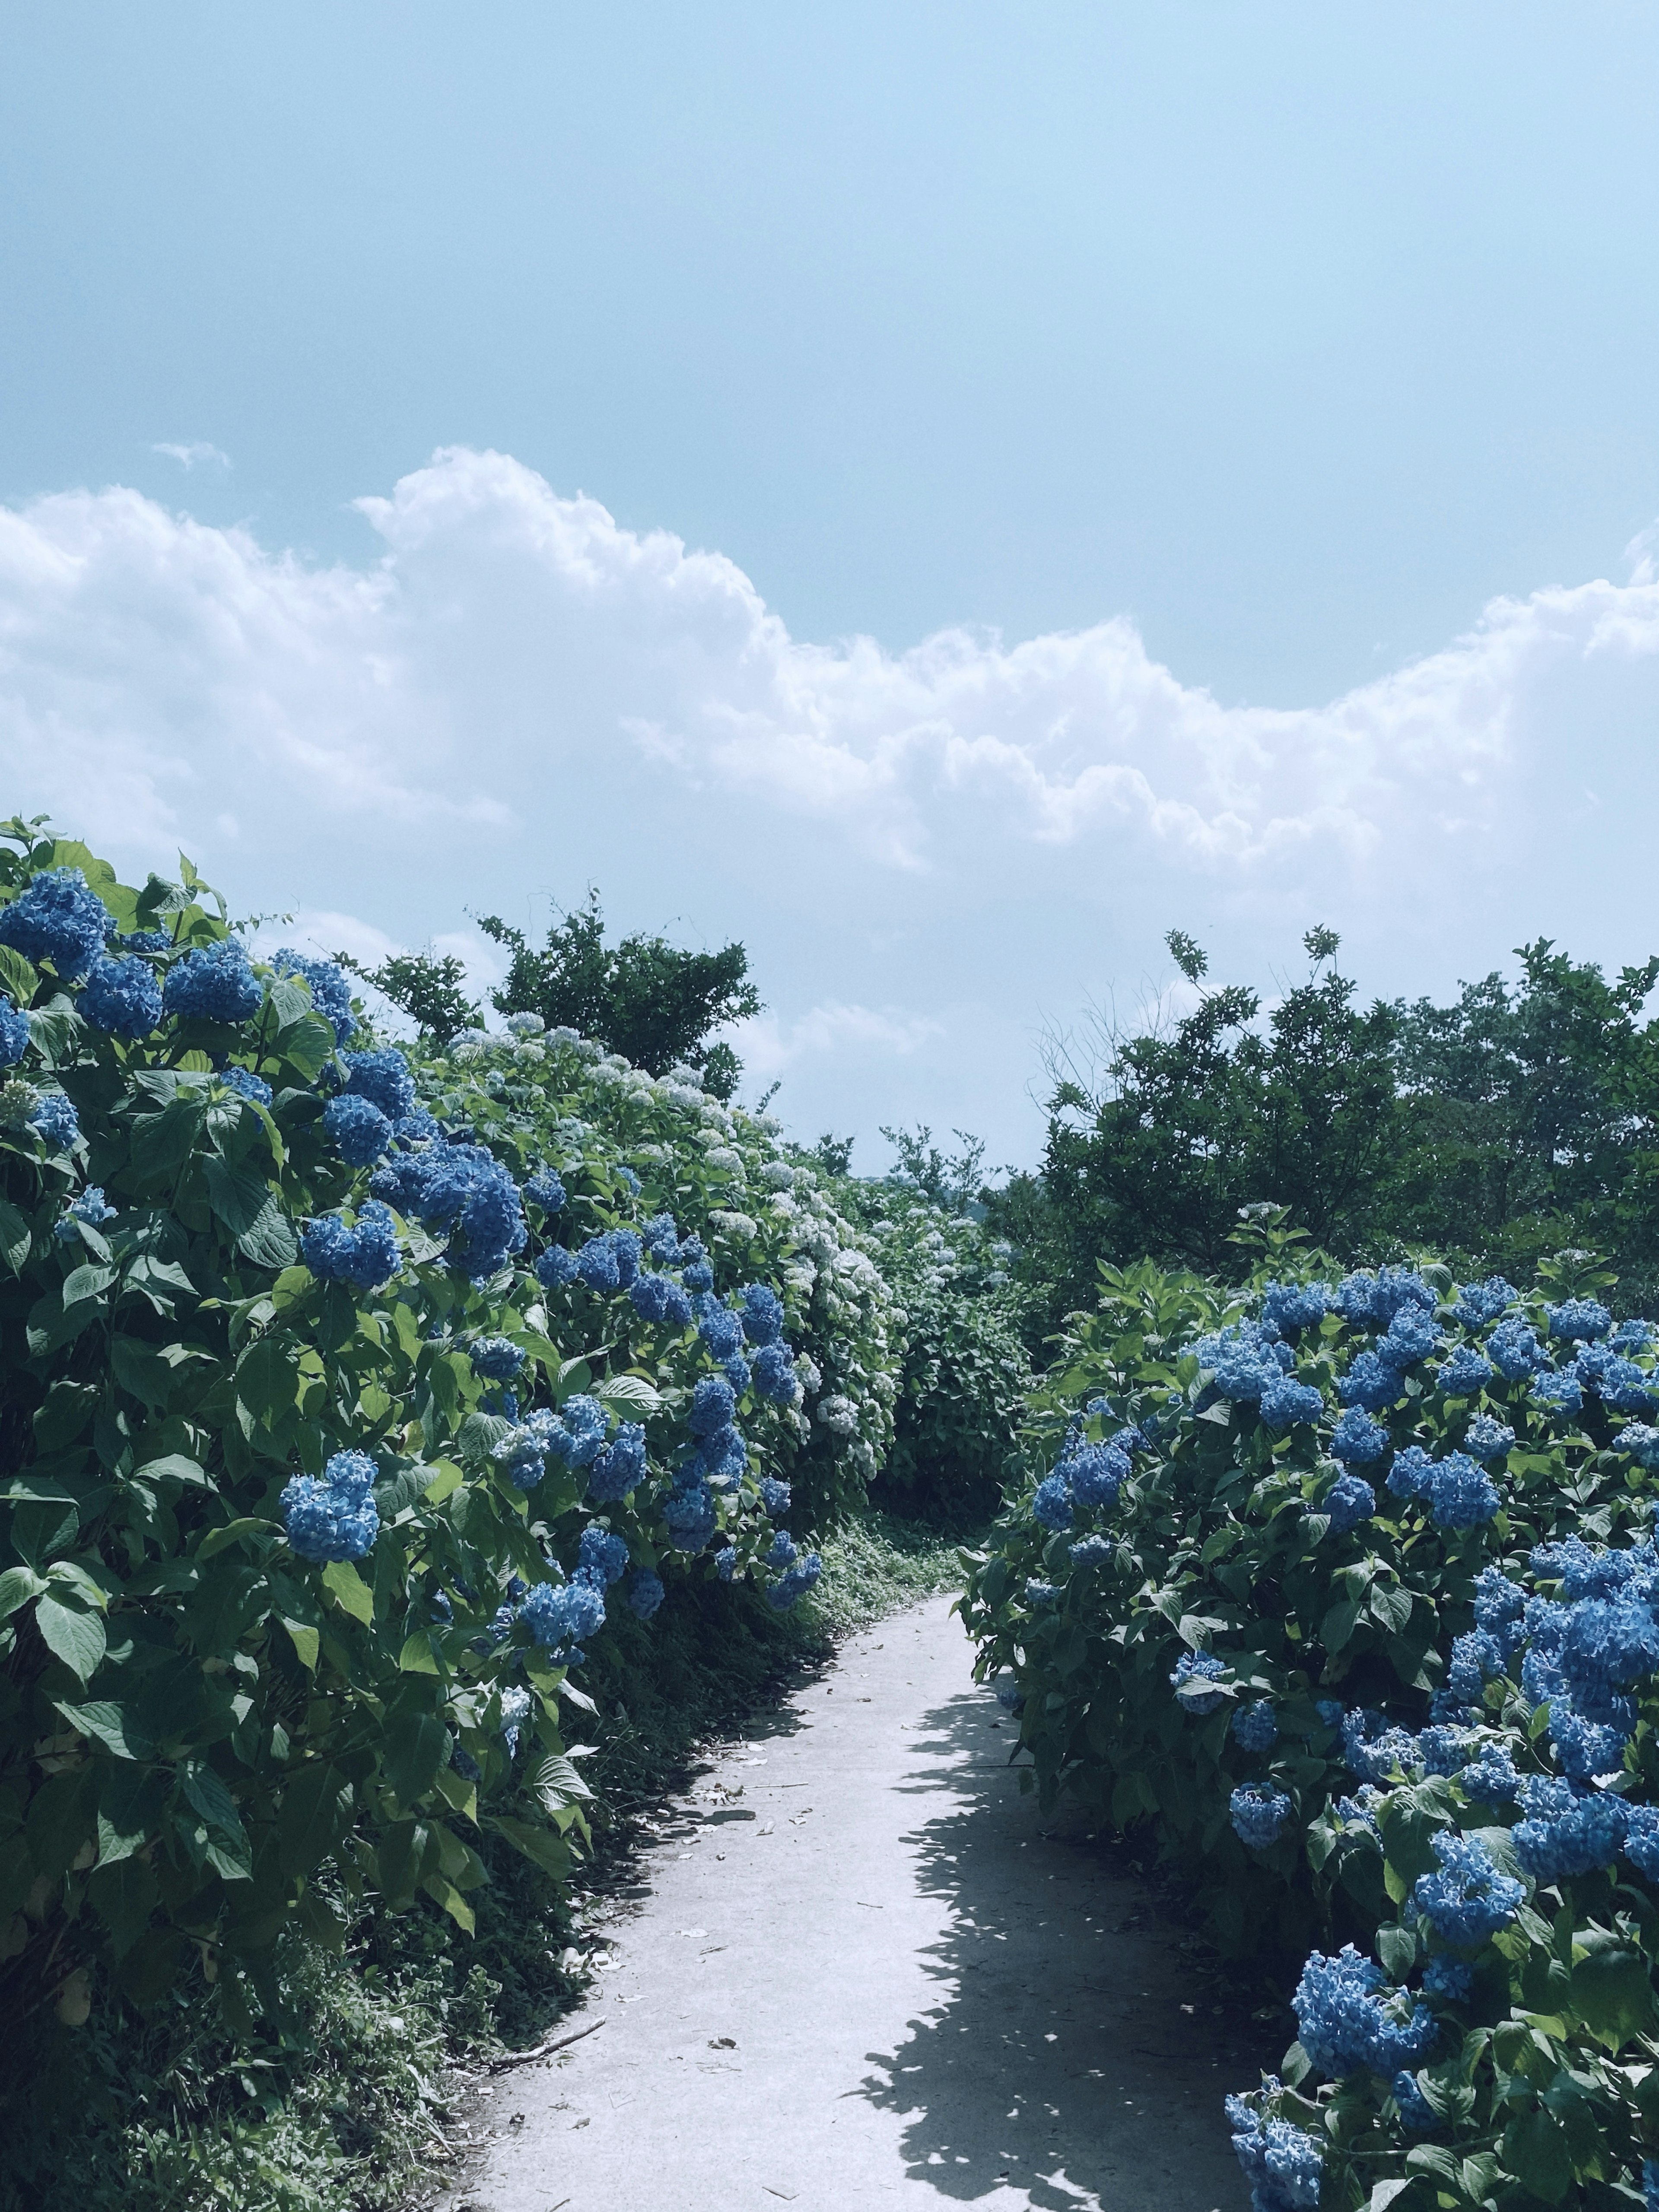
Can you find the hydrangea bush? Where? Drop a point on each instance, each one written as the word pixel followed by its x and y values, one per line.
pixel 344 1395
pixel 1345 1587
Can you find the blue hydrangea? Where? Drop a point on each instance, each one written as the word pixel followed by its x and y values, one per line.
pixel 1373 1750
pixel 775 1374
pixel 1515 1349
pixel 713 1405
pixel 774 1496
pixel 721 1332
pixel 1367 1301
pixel 781 1551
pixel 1349 1501
pixel 215 983
pixel 1465 1373
pixel 1290 1307
pixel 556 1268
pixel 1095 1474
pixel 1051 1506
pixel 91 1207
pixel 385 1079
pixel 1451 1978
pixel 560 1614
pixel 604 1554
pixel 331 990
pixel 1370 1383
pixel 364 1254
pixel 661 1239
pixel 1457 1491
pixel 1475 1660
pixel 335 1518
pixel 1478 1302
pixel 1500 1608
pixel 1281 2163
pixel 1417 2114
pixel 1634 1335
pixel 1092 1552
pixel 1243 1358
pixel 1411 1336
pixel 1344 2023
pixel 54 1122
pixel 660 1299
pixel 725 1562
pixel 122 997
pixel 1039 1593
pixel 598 1264
pixel 463 1189
pixel 1356 1439
pixel 762 1313
pixel 1641 1441
pixel 358 1130
pixel 1010 1695
pixel 14 1032
pixel 735 1368
pixel 1641 1845
pixel 1564 1833
pixel 1563 1391
pixel 1285 1401
pixel 1585 1749
pixel 57 918
pixel 800 1579
pixel 1486 1439
pixel 646 1592
pixel 547 1191
pixel 579 1431
pixel 496 1358
pixel 689 1512
pixel 1618 1381
pixel 1330 1710
pixel 630 1181
pixel 523 1453
pixel 246 1084
pixel 416 1127
pixel 1253 1727
pixel 1259 1813
pixel 1467 1899
pixel 620 1467
pixel 719 1459
pixel 1198 1667
pixel 1585 1318
pixel 1651 2184
pixel 1491 1778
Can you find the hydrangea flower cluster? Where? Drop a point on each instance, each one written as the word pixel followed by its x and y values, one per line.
pixel 1259 1813
pixel 1198 1667
pixel 1282 2164
pixel 215 983
pixel 1345 2022
pixel 331 989
pixel 57 917
pixel 92 1207
pixel 464 1189
pixel 14 1032
pixel 122 997
pixel 335 1518
pixel 364 1253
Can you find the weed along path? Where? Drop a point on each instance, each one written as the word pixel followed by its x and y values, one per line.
pixel 853 1972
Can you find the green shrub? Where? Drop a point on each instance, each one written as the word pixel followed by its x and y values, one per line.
pixel 1309 1682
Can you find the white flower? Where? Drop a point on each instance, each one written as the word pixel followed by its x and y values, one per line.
pixel 526 1026
pixel 778 1175
pixel 840 1415
pixel 729 1162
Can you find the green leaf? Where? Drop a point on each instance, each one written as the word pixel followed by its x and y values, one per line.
pixel 315 1809
pixel 237 1195
pixel 417 1657
pixel 1396 1952
pixel 174 1466
pixel 305 1642
pixel 17 1586
pixel 216 1539
pixel 1610 1992
pixel 269 1240
pixel 445 1893
pixel 349 1590
pixel 123 1893
pixel 632 1392
pixel 73 1633
pixel 14 1237
pixel 398 1856
pixel 416 1746
pixel 1534 2150
pixel 116 1727
pixel 557 1783
pixel 89 1280
pixel 19 978
pixel 267 1377
pixel 547 1850
pixel 1385 2193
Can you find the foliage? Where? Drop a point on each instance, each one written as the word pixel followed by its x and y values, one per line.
pixel 227 1662
pixel 965 1372
pixel 950 1181
pixel 648 999
pixel 1408 1699
pixel 429 990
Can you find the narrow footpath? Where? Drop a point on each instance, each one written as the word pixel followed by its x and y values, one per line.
pixel 853 1971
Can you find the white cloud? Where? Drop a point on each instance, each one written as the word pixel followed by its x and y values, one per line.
pixel 519 695
pixel 197 455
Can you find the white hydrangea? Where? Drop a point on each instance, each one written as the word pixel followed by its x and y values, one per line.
pixel 839 1415
pixel 740 1225
pixel 783 1207
pixel 726 1159
pixel 526 1025
pixel 683 1096
pixel 778 1175
pixel 807 1371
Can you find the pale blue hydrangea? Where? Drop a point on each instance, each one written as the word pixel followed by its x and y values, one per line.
pixel 1345 2022
pixel 1467 1899
pixel 364 1254
pixel 1486 1439
pixel 14 1032
pixel 335 1518
pixel 1641 1441
pixel 1564 1833
pixel 246 1084
pixel 1255 1727
pixel 1051 1505
pixel 384 1077
pixel 560 1614
pixel 775 1374
pixel 1039 1593
pixel 1198 1667
pixel 1478 1302
pixel 1290 1307
pixel 1457 1491
pixel 1491 1779
pixel 1281 2163
pixel 1465 1373
pixel 1515 1349
pixel 215 983
pixel 91 1207
pixel 602 1553
pixel 463 1189
pixel 545 1188
pixel 1563 1391
pixel 57 918
pixel 1092 1552
pixel 1286 1401
pixel 1356 1439
pixel 1258 1813
pixel 54 1122
pixel 496 1358
pixel 1585 1318
pixel 1094 1473
pixel 774 1496
pixel 1372 1384
pixel 660 1299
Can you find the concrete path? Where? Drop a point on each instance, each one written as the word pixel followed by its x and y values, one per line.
pixel 854 1972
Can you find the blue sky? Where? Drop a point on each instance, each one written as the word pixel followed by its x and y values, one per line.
pixel 1260 348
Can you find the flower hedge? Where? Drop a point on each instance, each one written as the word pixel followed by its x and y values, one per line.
pixel 1346 1589
pixel 345 1389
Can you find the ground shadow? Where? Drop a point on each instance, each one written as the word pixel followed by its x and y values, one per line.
pixel 1076 2051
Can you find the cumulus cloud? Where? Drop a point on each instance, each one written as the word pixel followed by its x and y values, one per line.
pixel 518 696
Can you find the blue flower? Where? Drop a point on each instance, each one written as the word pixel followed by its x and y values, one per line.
pixel 1416 2113
pixel 1281 2163
pixel 646 1592
pixel 659 1298
pixel 1095 1474
pixel 774 1496
pixel 1242 1359
pixel 1010 1695
pixel 1618 1381
pixel 1349 1501
pixel 605 1554
pixel 247 1084
pixel 1641 1845
pixel 1499 1607
pixel 1344 2024
pixel 54 1122
pixel 1468 1899
pixel 14 1032
pixel 599 1263
pixel 91 1207
pixel 689 1513
pixel 1586 1318
pixel 721 1331
pixel 1195 1667
pixel 384 1077
pixel 1641 1441
pixel 1458 1492
pixel 1285 1402
pixel 123 997
pixel 1411 1337
pixel 1453 1979
pixel 781 1551
pixel 213 984
pixel 1368 1301
pixel 1039 1593
pixel 762 1313
pixel 782 1594
pixel 1491 1778
pixel 1255 1727
pixel 1478 1302
pixel 620 1467
pixel 560 1614
pixel 358 1130
pixel 735 1368
pixel 1564 1834
pixel 775 1374
pixel 1259 1813
pixel 1485 1439
pixel 416 1127
pixel 335 1518
pixel 661 1239
pixel 1475 1660
pixel 1515 1351
pixel 1465 1373
pixel 464 1189
pixel 1563 1391
pixel 1294 1306
pixel 1051 1506
pixel 365 1255
pixel 1356 1439
pixel 556 1268
pixel 1369 1382
pixel 57 918
pixel 496 1358
pixel 630 1181
pixel 713 1405
pixel 725 1562
pixel 1373 1752
pixel 546 1189
pixel 1092 1552
pixel 331 990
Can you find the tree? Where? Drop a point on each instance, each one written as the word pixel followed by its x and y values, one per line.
pixel 950 1180
pixel 428 989
pixel 645 998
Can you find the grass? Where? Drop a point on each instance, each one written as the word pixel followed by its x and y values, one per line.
pixel 338 2103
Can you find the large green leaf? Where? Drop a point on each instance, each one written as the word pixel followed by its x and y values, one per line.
pixel 417 1745
pixel 1610 1989
pixel 116 1727
pixel 548 1851
pixel 74 1632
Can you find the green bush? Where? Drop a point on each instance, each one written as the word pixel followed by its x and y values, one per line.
pixel 1310 1680
pixel 210 1729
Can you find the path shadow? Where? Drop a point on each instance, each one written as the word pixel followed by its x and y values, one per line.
pixel 1075 2052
